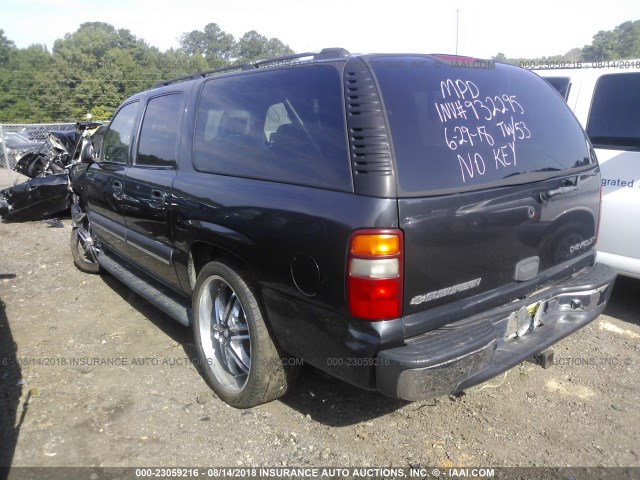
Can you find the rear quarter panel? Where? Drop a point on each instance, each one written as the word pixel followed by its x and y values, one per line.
pixel 265 226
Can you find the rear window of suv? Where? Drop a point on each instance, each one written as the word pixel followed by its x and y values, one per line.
pixel 457 128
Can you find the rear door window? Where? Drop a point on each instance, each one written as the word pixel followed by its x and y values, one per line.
pixel 614 119
pixel 283 125
pixel 117 140
pixel 159 132
pixel 457 128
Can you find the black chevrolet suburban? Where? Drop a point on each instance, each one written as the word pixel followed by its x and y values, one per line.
pixel 411 224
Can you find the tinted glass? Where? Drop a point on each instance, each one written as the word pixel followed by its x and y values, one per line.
pixel 118 138
pixel 561 84
pixel 283 125
pixel 615 119
pixel 159 131
pixel 456 128
pixel 14 138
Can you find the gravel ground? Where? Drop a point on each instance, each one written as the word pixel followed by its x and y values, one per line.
pixel 60 406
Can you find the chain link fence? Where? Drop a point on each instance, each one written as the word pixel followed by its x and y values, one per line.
pixel 17 140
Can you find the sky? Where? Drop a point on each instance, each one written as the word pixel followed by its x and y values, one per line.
pixel 519 29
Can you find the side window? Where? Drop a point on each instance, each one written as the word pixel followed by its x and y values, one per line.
pixel 613 120
pixel 118 137
pixel 159 132
pixel 561 84
pixel 280 125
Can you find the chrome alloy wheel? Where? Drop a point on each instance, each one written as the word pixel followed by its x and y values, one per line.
pixel 88 245
pixel 224 334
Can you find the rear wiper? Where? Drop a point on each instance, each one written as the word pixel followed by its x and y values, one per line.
pixel 569 185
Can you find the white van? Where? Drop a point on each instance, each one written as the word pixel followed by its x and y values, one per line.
pixel 605 96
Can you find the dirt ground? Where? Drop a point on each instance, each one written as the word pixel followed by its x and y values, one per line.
pixel 61 405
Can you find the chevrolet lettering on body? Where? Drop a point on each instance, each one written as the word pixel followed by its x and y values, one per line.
pixel 461 287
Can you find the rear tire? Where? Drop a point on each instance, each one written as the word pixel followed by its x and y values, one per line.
pixel 237 354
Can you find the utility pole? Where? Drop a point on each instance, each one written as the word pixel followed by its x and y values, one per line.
pixel 457 27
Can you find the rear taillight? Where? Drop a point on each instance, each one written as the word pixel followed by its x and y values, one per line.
pixel 374 274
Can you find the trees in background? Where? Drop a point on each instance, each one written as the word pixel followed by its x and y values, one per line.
pixel 6 46
pixel 620 43
pixel 92 70
pixel 623 42
pixel 253 46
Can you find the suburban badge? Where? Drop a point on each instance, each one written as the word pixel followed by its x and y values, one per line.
pixel 461 287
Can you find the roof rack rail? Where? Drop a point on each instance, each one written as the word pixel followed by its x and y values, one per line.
pixel 193 76
pixel 332 53
pixel 325 53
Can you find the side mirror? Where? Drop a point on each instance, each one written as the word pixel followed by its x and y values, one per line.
pixel 86 155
